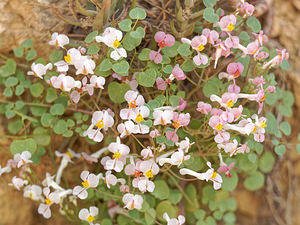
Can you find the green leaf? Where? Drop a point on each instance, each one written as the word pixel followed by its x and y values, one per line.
pixel 31 55
pixel 210 16
pixel 288 98
pixel 47 119
pixel 7 92
pixel 51 95
pixel 36 89
pixel 255 181
pixel 285 65
pixel 149 219
pixel 209 3
pixel 41 136
pixel 266 162
pixel 105 65
pixel 91 36
pixel 229 184
pixel 93 49
pixel 138 33
pixel 19 146
pixel 252 157
pixel 121 68
pixel 213 86
pixel 19 90
pixel 130 42
pixel 137 13
pixel 116 91
pixel 171 51
pixel 271 98
pixel 184 49
pixel 192 193
pixel 174 100
pixel 285 128
pixel 280 150
pixel 60 127
pixel 56 56
pixel 229 217
pixel 254 24
pixel 125 25
pixel 199 214
pixel 175 196
pixel 11 81
pixel 27 43
pixel 244 36
pixel 57 109
pixel 161 190
pixel 194 163
pixel 144 55
pixel 9 68
pixel 147 78
pixel 19 52
pixel 165 206
pixel 15 126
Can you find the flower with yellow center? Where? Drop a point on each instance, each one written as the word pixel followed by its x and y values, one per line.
pixel 116 43
pixel 149 173
pixel 230 27
pixel 139 118
pixel 100 124
pixel 230 104
pixel 117 155
pixel 48 201
pixel 68 58
pixel 90 218
pixel 263 124
pixel 132 104
pixel 200 48
pixel 213 175
pixel 69 154
pixel 219 127
pixel 176 124
pixel 85 184
pixel 255 129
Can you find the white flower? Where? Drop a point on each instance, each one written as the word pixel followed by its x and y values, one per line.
pixel 144 184
pixel 6 169
pixel 210 174
pixel 102 120
pixel 73 57
pixel 185 144
pixel 59 40
pixel 88 214
pixel 90 180
pixel 39 70
pixel 112 37
pixel 18 183
pixel 63 82
pixel 33 192
pixel 174 221
pixel 132 201
pixel 125 128
pixel 85 66
pixel 66 158
pixel 49 182
pixel 162 117
pixel 23 158
pixel 51 198
pixel 61 66
pixel 97 81
pixel 177 158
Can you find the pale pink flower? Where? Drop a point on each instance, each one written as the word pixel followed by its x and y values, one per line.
pixel 51 198
pixel 203 107
pixel 33 192
pixel 164 39
pixel 224 168
pixel 222 137
pixel 22 158
pixel 89 214
pixel 147 153
pixel 90 180
pixel 185 145
pixel 227 23
pixel 211 35
pixel 132 201
pixel 149 168
pixel 63 82
pixel 161 83
pixel 182 104
pixel 235 69
pixel 154 133
pixel 179 221
pixel 155 56
pixel 39 70
pixel 261 37
pixel 97 81
pixel 277 60
pixel 247 9
pixel 178 73
pixel 59 40
pixel 200 59
pixel 145 185
pixel 18 183
pixel 125 128
pixel 162 117
pixel 172 136
pixel 232 41
pixel 271 89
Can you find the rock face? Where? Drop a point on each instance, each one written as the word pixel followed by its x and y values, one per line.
pixel 23 19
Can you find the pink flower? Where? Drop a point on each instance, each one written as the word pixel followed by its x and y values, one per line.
pixel 154 133
pixel 178 73
pixel 161 84
pixel 155 56
pixel 164 39
pixel 227 23
pixel 232 41
pixel 233 88
pixel 200 59
pixel 224 168
pixel 271 89
pixel 247 9
pixel 235 69
pixel 149 168
pixel 182 119
pixel 222 137
pixel 198 43
pixel 132 201
pixel 211 35
pixel 203 107
pixel 22 158
pixel 172 136
pixel 261 37
pixel 182 104
pixel 216 123
pixel 277 60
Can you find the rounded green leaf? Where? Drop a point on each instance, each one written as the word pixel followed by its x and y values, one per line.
pixel 254 24
pixel 184 49
pixel 125 25
pixel 31 54
pixel 47 119
pixel 57 109
pixel 105 65
pixel 147 78
pixel 161 190
pixel 41 136
pixel 255 181
pixel 121 68
pixel 60 127
pixel 116 91
pixel 165 207
pixel 210 16
pixel 138 33
pixel 93 49
pixel 280 150
pixel 51 95
pixel 56 56
pixel 27 43
pixel 91 36
pixel 19 146
pixel 36 89
pixel 137 13
pixel 266 162
pixel 285 128
pixel 144 55
pixel 11 81
pixel 19 51
pixel 229 184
